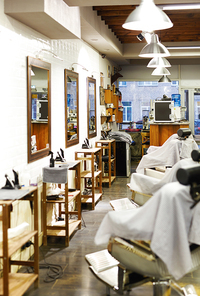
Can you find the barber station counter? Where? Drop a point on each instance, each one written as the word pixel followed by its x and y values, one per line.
pixel 161 131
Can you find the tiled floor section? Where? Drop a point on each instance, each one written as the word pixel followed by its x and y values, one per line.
pixel 77 279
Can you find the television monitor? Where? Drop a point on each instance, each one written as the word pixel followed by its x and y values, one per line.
pixel 163 111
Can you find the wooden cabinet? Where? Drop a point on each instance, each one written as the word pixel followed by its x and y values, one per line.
pixel 160 132
pixel 108 149
pixel 12 284
pixel 108 96
pixel 66 226
pixel 115 100
pixel 90 175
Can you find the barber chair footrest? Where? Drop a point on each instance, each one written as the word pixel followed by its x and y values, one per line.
pixel 108 270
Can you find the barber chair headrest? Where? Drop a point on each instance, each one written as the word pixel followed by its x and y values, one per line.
pixel 195 154
pixel 191 176
pixel 184 132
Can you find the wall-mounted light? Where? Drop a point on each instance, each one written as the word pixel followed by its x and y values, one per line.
pixel 40 56
pixel 79 65
pixel 92 75
pixel 147 17
pixel 154 49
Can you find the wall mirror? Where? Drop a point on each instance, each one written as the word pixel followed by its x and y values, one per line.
pixel 39 108
pixel 91 106
pixel 71 108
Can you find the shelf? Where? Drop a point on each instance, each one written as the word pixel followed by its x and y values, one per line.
pixel 71 196
pixel 17 242
pixel 73 224
pixel 12 284
pixel 106 179
pixel 88 198
pixel 65 227
pixel 108 148
pixel 18 283
pixel 112 159
pixel 88 174
pixel 88 158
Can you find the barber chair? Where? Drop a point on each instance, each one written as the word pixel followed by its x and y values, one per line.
pixel 126 264
pixel 159 172
pixel 177 146
pixel 129 264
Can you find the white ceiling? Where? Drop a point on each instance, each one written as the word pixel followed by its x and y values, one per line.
pixel 81 21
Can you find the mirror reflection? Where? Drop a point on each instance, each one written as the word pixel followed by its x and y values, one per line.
pixel 71 108
pixel 91 89
pixel 39 131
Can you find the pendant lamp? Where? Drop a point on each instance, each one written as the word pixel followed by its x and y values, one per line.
pixel 158 61
pixel 160 71
pixel 154 49
pixel 147 17
pixel 164 78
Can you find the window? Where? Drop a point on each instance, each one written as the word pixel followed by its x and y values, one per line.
pixel 127 111
pixel 147 83
pixel 197 113
pixel 122 83
pixel 137 97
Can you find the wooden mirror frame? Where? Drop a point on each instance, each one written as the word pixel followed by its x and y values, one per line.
pixel 45 66
pixel 93 134
pixel 69 73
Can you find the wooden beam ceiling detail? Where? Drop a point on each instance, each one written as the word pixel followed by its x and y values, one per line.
pixel 186 24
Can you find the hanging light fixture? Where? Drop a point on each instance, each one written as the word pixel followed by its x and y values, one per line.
pixel 147 17
pixel 154 49
pixel 164 78
pixel 158 61
pixel 160 71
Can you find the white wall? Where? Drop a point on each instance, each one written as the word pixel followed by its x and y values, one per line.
pixel 17 42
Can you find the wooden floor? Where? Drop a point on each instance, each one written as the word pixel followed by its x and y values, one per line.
pixel 77 279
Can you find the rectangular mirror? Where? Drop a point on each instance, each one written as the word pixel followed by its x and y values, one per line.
pixel 71 108
pixel 91 106
pixel 38 108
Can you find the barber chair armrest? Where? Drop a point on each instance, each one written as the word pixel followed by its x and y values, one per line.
pixel 139 248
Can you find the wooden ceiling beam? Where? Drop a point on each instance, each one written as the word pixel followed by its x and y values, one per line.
pixel 113 13
pixel 114 7
pixel 186 24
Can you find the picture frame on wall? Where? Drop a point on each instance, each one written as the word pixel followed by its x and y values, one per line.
pixel 102 95
pixel 108 71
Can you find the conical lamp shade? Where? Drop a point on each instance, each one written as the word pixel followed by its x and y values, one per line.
pixel 160 71
pixel 158 61
pixel 147 17
pixel 154 49
pixel 164 78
